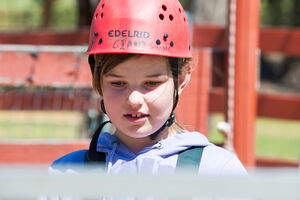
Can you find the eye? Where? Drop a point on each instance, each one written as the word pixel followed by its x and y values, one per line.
pixel 117 83
pixel 152 83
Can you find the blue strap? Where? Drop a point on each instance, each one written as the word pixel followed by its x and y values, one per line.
pixel 190 159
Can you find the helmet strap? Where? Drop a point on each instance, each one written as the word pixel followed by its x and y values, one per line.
pixel 170 121
pixel 102 106
pixel 92 63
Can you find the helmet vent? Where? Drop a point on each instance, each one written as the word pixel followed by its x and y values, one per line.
pixel 171 43
pixel 161 16
pixel 164 7
pixel 165 37
pixel 179 10
pixel 101 15
pixel 171 17
pixel 158 42
pixel 102 6
pixel 97 15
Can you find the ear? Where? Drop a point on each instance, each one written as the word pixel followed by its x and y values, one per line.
pixel 184 77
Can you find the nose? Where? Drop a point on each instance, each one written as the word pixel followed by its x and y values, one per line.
pixel 135 99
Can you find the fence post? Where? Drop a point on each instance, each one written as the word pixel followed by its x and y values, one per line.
pixel 242 96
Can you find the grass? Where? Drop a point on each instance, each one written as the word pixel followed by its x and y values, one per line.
pixel 39 125
pixel 274 138
pixel 278 138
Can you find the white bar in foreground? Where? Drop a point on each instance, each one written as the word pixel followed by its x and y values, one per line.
pixel 32 183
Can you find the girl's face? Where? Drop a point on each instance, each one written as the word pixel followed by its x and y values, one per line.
pixel 138 95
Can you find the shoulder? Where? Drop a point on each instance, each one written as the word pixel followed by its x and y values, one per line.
pixel 219 161
pixel 69 161
pixel 215 160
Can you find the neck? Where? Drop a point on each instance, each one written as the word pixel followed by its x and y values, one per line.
pixel 137 144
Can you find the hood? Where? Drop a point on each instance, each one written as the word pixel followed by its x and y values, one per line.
pixel 166 147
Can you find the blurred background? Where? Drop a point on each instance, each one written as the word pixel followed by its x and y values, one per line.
pixel 48 106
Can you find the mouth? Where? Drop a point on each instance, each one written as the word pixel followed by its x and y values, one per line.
pixel 136 118
pixel 136 115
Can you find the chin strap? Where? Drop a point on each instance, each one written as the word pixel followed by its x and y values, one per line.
pixel 102 106
pixel 170 121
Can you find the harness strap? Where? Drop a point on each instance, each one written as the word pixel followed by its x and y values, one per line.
pixel 92 155
pixel 190 159
pixel 187 159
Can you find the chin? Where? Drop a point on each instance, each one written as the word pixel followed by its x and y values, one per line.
pixel 139 133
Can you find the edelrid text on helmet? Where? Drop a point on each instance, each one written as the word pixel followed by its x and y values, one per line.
pixel 153 27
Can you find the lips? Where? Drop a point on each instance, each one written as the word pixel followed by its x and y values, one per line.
pixel 136 117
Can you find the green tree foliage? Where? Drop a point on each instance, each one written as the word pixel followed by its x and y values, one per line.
pixel 185 3
pixel 273 12
pixel 280 12
pixel 64 14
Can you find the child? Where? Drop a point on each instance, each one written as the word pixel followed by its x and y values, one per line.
pixel 139 53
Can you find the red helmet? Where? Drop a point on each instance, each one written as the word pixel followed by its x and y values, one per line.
pixel 153 27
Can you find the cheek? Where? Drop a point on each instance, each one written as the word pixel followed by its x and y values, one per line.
pixel 113 108
pixel 161 100
pixel 112 101
pixel 110 94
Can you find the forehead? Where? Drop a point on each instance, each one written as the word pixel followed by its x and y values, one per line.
pixel 143 64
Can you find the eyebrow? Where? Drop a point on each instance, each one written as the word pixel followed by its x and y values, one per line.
pixel 114 75
pixel 148 76
pixel 155 75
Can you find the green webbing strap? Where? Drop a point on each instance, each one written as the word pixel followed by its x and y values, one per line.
pixel 190 159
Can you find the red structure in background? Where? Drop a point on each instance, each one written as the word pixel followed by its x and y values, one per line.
pixel 37 153
pixel 192 109
pixel 193 106
pixel 44 69
pixel 271 40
